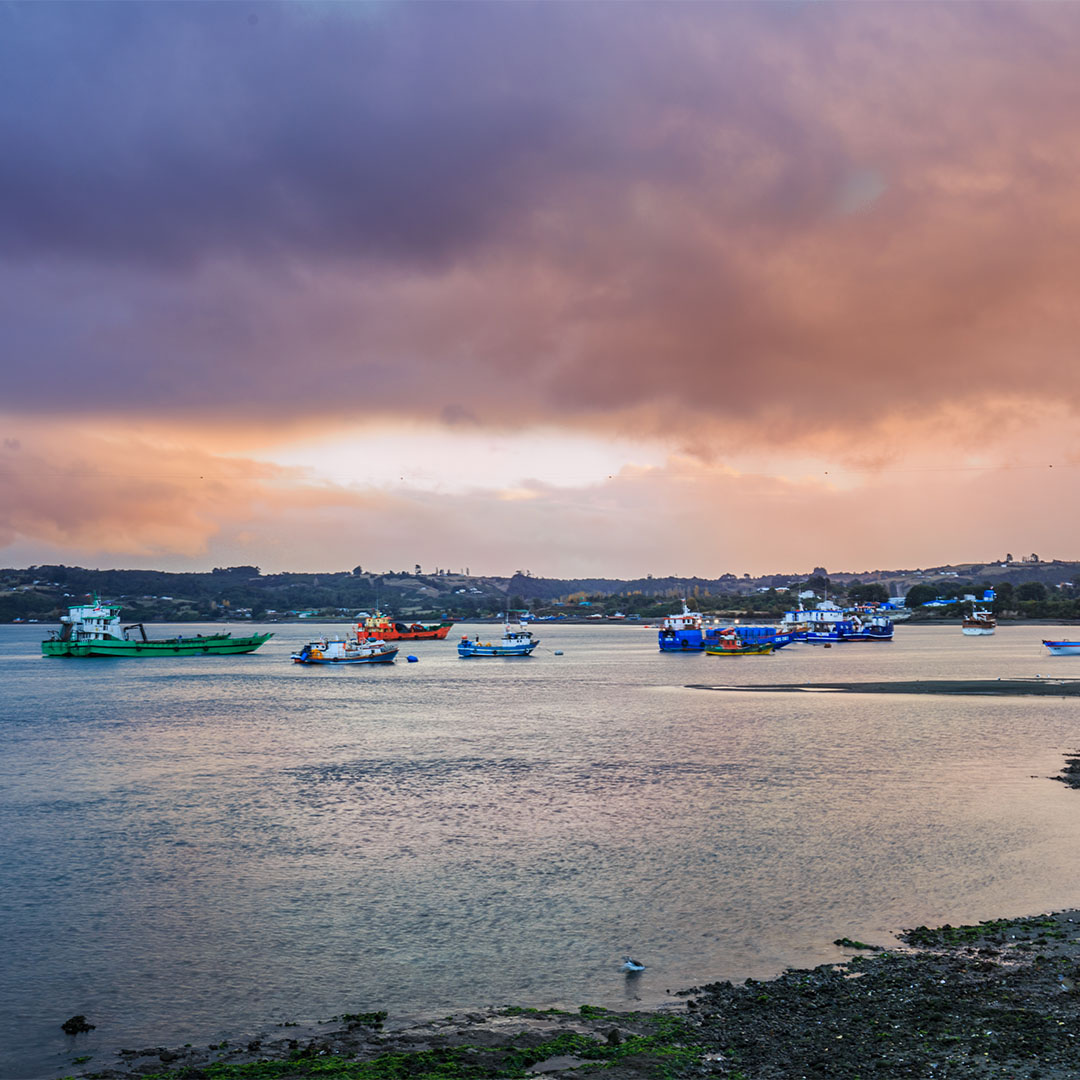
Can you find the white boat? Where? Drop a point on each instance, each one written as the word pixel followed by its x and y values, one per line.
pixel 340 651
pixel 515 641
pixel 821 618
pixel 980 623
pixel 1063 648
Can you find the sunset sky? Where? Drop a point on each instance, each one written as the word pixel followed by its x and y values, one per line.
pixel 579 288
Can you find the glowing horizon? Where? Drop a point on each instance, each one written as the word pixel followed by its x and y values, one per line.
pixel 498 285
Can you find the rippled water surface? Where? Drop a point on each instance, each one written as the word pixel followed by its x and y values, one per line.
pixel 196 846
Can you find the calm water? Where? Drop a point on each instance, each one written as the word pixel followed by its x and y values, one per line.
pixel 203 846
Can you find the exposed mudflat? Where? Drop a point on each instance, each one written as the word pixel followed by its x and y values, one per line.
pixel 1034 687
pixel 1000 999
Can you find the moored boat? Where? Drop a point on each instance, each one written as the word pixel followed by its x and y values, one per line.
pixel 1063 648
pixel 876 628
pixel 515 641
pixel 341 651
pixel 979 623
pixel 681 632
pixel 726 642
pixel 752 635
pixel 382 628
pixel 95 630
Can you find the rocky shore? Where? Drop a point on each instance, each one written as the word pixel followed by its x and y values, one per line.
pixel 1000 999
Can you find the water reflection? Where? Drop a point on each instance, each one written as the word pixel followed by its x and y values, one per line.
pixel 191 845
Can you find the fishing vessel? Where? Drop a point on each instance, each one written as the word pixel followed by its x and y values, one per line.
pixel 515 641
pixel 682 632
pixel 979 623
pixel 726 642
pixel 95 630
pixel 876 628
pixel 382 628
pixel 341 651
pixel 1063 648
pixel 752 635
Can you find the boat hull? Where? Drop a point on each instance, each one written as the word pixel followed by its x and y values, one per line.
pixel 427 633
pixel 748 650
pixel 341 661
pixel 1063 648
pixel 681 641
pixel 495 650
pixel 216 645
pixel 976 631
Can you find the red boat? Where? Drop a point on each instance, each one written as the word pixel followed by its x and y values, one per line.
pixel 382 628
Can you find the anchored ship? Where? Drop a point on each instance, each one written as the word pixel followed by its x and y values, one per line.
pixel 383 628
pixel 95 630
pixel 682 632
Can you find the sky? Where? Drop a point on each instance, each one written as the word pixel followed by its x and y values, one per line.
pixel 586 289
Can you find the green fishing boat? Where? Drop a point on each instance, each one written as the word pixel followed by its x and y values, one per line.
pixel 95 630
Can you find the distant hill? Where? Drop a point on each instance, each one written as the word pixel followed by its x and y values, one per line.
pixel 242 592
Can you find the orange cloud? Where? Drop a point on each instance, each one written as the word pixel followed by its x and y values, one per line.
pixel 127 503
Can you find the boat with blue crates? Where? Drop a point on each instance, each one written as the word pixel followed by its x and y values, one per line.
pixel 727 642
pixel 682 632
pixel 515 641
pixel 753 635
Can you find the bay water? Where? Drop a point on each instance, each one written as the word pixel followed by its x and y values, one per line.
pixel 201 847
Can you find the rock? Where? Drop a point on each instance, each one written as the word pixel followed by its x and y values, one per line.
pixel 75 1025
pixel 556 1064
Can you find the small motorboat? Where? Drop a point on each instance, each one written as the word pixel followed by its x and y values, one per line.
pixel 631 966
pixel 1063 648
pixel 338 651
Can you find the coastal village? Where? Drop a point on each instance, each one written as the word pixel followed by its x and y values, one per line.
pixel 1025 587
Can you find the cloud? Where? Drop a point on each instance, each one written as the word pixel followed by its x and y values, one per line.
pixel 72 496
pixel 725 224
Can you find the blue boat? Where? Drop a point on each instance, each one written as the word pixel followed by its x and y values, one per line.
pixel 516 641
pixel 751 635
pixel 878 628
pixel 682 632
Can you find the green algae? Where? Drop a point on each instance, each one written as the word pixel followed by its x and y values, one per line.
pixel 669 1047
pixel 373 1020
pixel 1037 928
pixel 850 943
